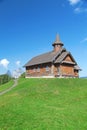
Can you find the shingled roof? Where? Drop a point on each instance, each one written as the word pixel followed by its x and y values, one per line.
pixel 76 67
pixel 63 56
pixel 43 58
pixel 49 57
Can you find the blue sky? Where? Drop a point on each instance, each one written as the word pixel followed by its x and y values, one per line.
pixel 29 27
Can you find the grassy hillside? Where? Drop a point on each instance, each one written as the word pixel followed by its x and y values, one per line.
pixel 6 85
pixel 45 104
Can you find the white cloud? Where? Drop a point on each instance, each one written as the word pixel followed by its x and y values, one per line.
pixel 80 6
pixel 73 2
pixel 84 40
pixel 4 63
pixel 18 63
pixel 77 10
pixel 80 10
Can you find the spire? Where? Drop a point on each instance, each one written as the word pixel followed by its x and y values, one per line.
pixel 57 44
pixel 57 41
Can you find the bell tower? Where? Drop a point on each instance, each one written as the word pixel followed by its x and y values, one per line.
pixel 57 44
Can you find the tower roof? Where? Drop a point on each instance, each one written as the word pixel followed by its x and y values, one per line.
pixel 57 41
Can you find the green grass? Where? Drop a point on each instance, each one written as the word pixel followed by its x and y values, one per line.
pixel 45 104
pixel 6 85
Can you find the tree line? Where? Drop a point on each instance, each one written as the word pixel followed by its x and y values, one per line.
pixel 4 78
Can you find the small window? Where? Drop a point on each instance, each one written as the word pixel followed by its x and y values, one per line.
pixel 47 68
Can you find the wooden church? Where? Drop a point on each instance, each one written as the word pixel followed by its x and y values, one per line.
pixel 57 63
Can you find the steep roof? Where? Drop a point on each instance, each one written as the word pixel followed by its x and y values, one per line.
pixel 44 58
pixel 50 57
pixel 62 56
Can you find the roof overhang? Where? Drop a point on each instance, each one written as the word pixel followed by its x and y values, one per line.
pixel 76 67
pixel 68 62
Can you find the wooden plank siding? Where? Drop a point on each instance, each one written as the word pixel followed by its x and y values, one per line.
pixel 57 70
pixel 39 70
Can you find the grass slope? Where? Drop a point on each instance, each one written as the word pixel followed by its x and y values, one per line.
pixel 45 104
pixel 6 85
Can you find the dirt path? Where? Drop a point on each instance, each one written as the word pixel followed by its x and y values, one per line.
pixel 7 90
